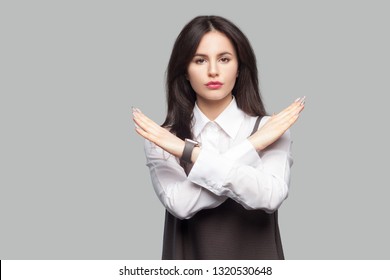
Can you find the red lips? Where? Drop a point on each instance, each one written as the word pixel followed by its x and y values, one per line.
pixel 214 85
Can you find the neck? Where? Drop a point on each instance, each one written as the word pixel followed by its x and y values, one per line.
pixel 213 108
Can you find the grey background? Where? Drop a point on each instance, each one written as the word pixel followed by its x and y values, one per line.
pixel 73 181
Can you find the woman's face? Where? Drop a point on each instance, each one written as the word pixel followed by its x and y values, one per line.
pixel 212 71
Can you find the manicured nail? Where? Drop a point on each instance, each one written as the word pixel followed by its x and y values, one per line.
pixel 135 110
pixel 296 100
pixel 303 100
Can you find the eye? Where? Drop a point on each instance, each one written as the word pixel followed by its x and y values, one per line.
pixel 224 59
pixel 200 60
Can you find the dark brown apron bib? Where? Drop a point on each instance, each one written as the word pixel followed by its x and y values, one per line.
pixel 227 232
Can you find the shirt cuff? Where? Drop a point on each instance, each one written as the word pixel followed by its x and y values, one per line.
pixel 210 171
pixel 243 154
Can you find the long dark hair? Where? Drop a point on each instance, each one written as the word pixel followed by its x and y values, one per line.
pixel 180 95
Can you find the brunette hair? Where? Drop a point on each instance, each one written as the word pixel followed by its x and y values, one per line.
pixel 180 95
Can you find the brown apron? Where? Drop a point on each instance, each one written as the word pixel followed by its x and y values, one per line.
pixel 227 232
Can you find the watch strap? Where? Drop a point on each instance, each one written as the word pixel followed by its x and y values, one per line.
pixel 188 148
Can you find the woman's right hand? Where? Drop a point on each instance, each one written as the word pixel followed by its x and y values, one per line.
pixel 277 125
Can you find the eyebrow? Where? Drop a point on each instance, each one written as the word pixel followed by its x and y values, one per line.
pixel 220 54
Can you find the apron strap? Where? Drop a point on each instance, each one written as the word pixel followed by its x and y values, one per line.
pixel 256 124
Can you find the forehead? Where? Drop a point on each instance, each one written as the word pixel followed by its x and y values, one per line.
pixel 214 42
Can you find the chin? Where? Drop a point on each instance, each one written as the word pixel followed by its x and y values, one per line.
pixel 218 96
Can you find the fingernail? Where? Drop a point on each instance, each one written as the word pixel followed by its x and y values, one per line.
pixel 296 100
pixel 136 111
pixel 303 100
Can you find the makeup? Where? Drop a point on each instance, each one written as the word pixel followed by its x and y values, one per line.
pixel 214 85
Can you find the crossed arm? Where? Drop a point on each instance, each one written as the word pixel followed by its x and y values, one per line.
pixel 239 173
pixel 269 133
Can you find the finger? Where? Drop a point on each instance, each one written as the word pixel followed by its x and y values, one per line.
pixel 286 120
pixel 301 108
pixel 296 107
pixel 138 124
pixel 151 130
pixel 291 108
pixel 140 116
pixel 150 136
pixel 283 117
pixel 293 118
pixel 138 121
pixel 147 127
pixel 144 122
pixel 300 100
pixel 142 133
pixel 145 134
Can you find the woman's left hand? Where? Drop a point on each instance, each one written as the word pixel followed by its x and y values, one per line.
pixel 277 125
pixel 157 134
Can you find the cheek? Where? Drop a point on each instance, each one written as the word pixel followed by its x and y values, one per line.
pixel 233 74
pixel 192 80
pixel 193 76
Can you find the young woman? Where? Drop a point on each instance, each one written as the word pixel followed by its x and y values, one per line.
pixel 219 165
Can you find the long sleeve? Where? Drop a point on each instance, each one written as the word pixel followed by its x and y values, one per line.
pixel 227 166
pixel 256 182
pixel 181 197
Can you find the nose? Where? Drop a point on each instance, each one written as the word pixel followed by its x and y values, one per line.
pixel 213 69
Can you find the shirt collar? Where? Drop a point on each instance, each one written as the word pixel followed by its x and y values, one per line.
pixel 229 120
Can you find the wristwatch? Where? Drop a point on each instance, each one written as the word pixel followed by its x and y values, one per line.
pixel 188 148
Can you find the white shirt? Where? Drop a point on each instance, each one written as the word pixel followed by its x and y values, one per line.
pixel 227 166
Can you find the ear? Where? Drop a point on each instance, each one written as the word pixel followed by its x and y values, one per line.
pixel 238 72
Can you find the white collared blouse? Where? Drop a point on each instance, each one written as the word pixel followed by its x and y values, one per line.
pixel 227 166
